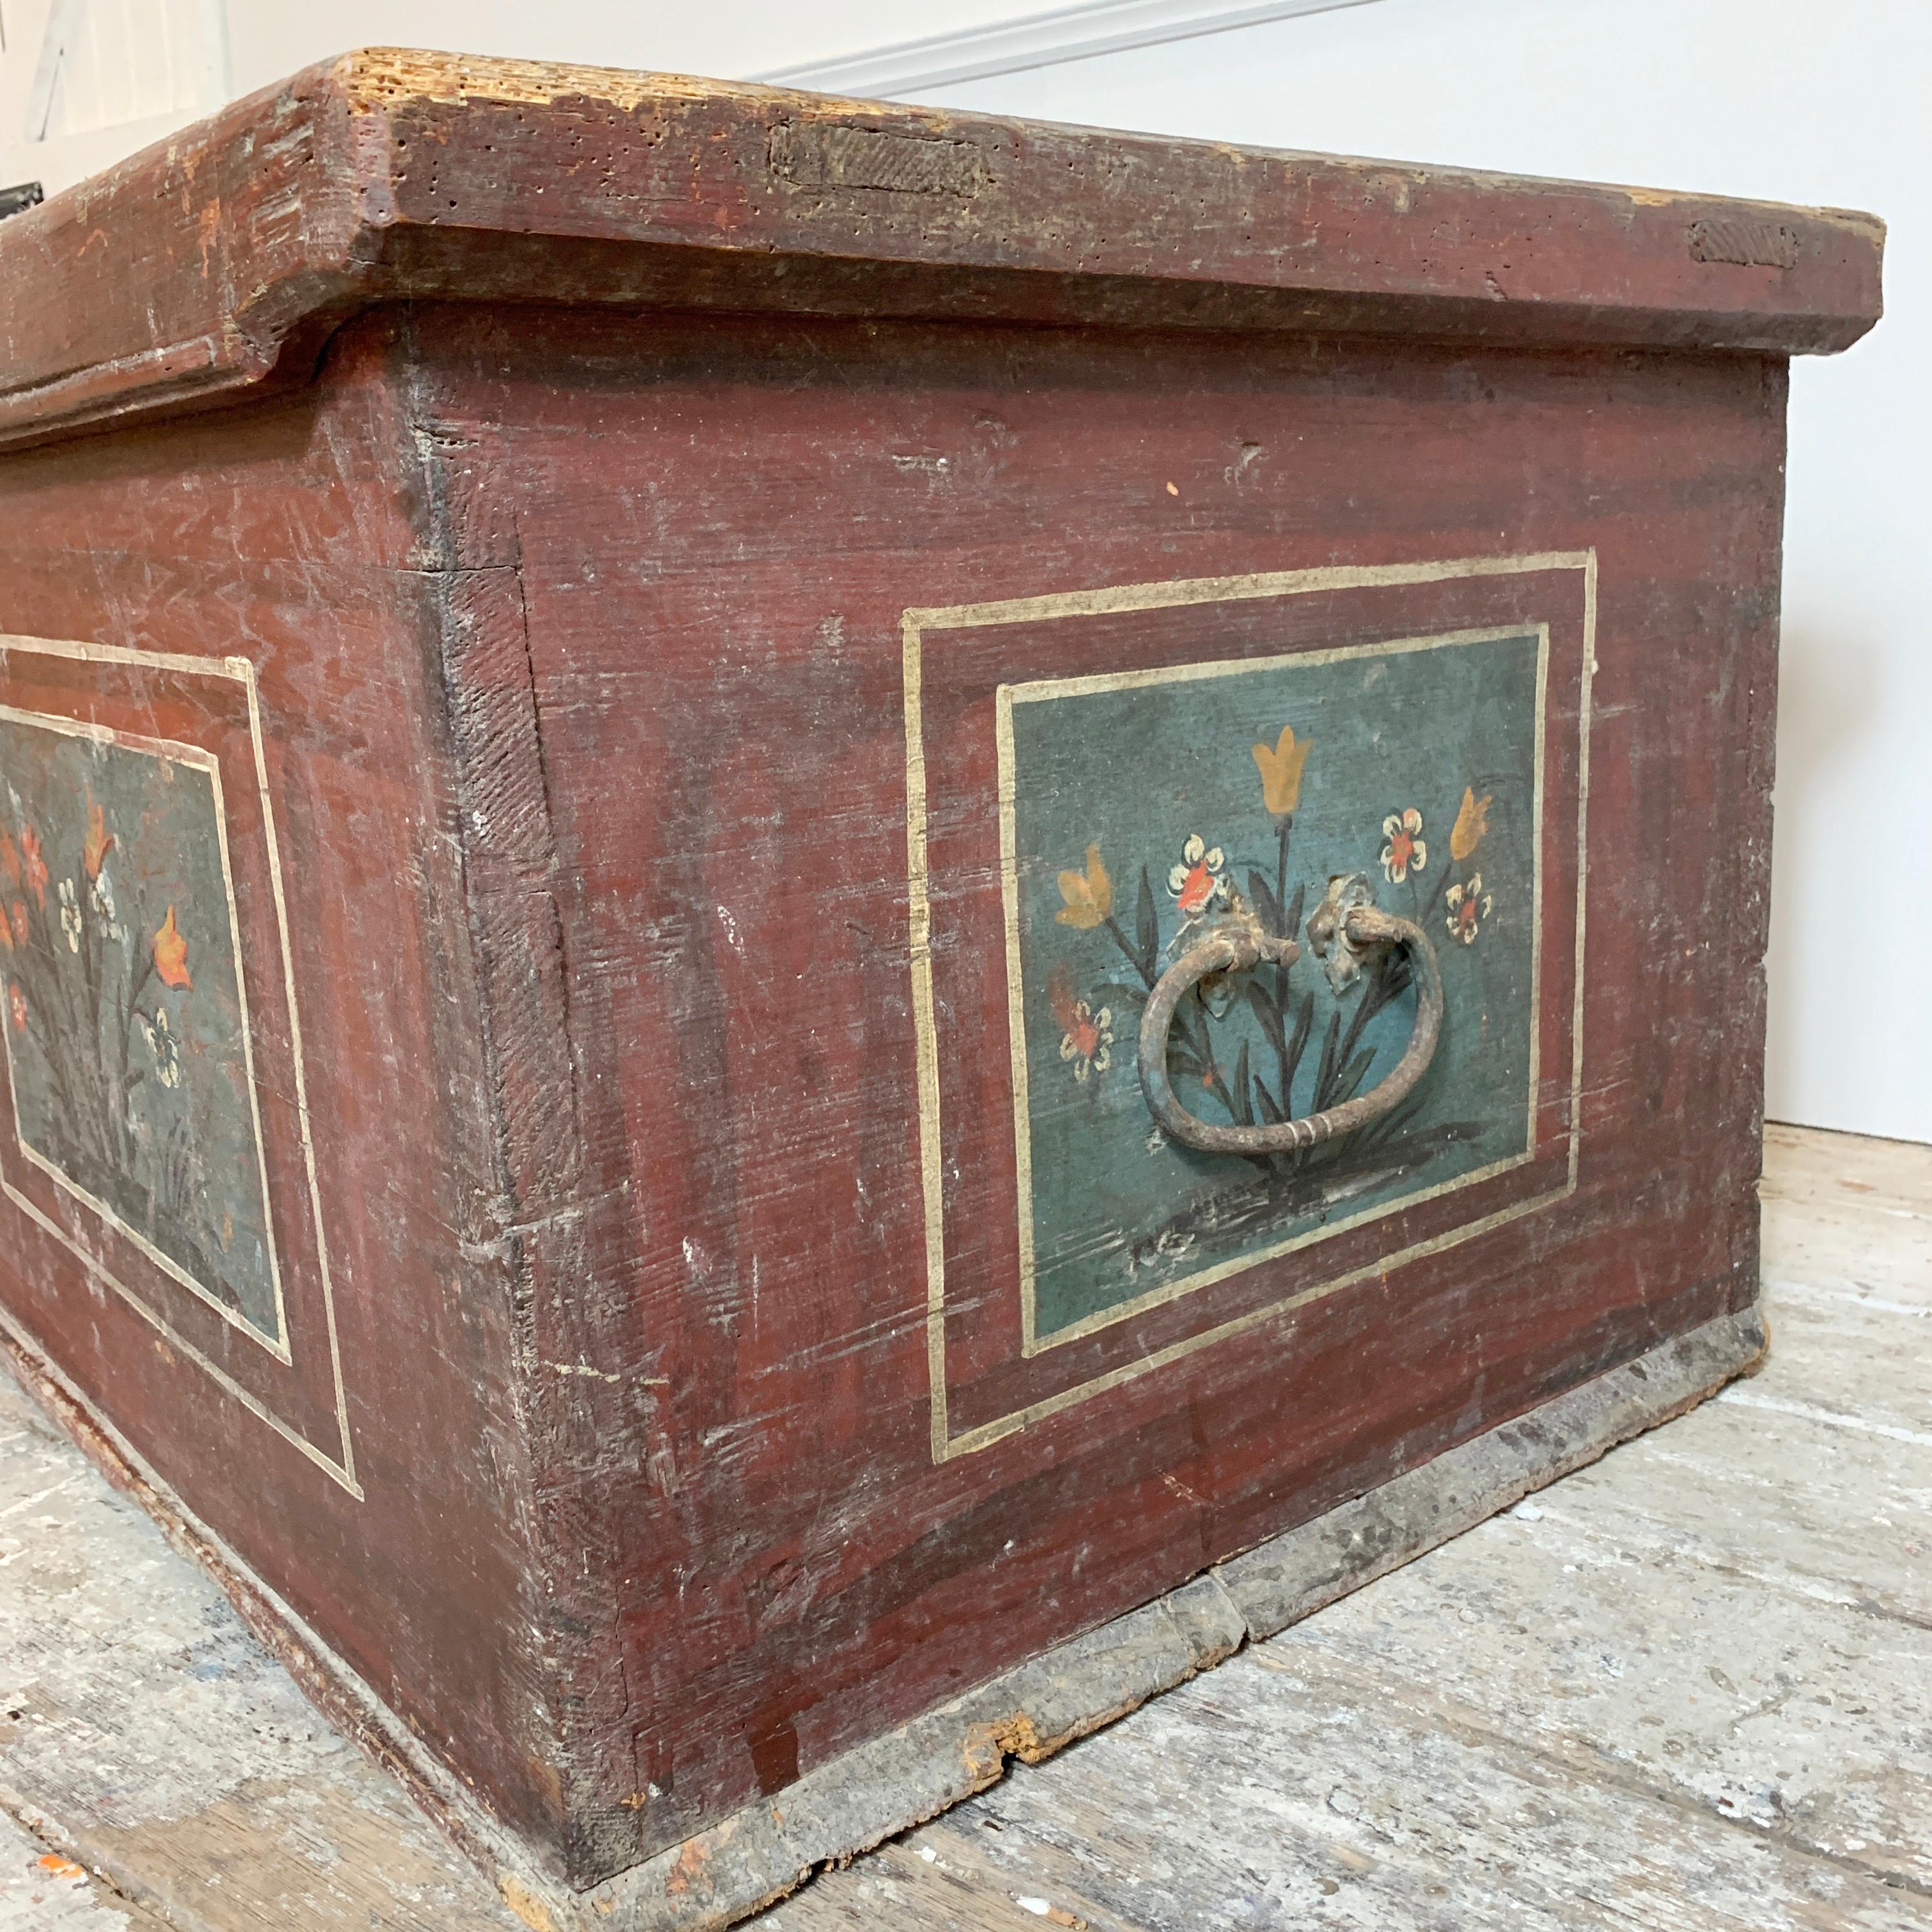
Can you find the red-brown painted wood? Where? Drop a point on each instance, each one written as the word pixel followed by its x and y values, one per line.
pixel 577 626
pixel 385 175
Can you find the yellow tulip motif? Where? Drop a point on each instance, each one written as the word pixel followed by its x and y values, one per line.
pixel 1089 895
pixel 171 954
pixel 1281 771
pixel 1472 821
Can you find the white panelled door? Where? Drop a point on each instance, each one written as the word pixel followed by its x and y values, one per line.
pixel 85 82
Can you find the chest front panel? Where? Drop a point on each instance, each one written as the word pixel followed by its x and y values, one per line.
pixel 873 670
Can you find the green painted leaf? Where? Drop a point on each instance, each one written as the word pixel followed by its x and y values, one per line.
pixel 1266 904
pixel 1325 1071
pixel 1351 1076
pixel 1304 1022
pixel 1262 1000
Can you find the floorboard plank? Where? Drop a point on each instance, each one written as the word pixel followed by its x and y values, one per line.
pixel 1688 1687
pixel 42 1891
pixel 167 1749
pixel 1282 1791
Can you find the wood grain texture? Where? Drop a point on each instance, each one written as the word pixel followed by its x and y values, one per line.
pixel 385 175
pixel 744 1257
pixel 1473 1762
pixel 575 607
pixel 287 538
pixel 1680 1688
pixel 579 638
pixel 40 1891
pixel 145 1734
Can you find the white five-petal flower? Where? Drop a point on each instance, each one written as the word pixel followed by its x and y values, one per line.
pixel 1469 906
pixel 1196 882
pixel 1405 852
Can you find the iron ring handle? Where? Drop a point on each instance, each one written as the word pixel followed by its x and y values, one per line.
pixel 1239 943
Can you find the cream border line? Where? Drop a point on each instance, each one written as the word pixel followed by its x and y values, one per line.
pixel 236 671
pixel 1176 594
pixel 206 763
pixel 1045 690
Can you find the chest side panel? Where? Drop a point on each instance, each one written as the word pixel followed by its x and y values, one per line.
pixel 245 1173
pixel 894 687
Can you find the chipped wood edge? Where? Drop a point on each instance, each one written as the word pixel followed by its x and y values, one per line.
pixel 290 200
pixel 323 1678
pixel 857 1801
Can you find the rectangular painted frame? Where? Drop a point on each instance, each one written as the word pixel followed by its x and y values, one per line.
pixel 340 1467
pixel 1175 594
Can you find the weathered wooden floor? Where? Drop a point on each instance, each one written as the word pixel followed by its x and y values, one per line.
pixel 1689 1688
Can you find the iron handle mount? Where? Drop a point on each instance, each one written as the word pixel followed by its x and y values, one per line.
pixel 1346 928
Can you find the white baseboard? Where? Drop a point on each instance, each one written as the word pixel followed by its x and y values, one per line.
pixel 1034 40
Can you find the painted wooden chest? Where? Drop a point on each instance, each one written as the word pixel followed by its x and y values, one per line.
pixel 827 929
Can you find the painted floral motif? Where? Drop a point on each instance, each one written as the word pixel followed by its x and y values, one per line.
pixel 1472 821
pixel 1196 882
pixel 1404 851
pixel 100 842
pixel 33 866
pixel 1148 816
pixel 126 1058
pixel 1201 889
pixel 170 951
pixel 100 896
pixel 164 1044
pixel 68 968
pixel 1281 772
pixel 1086 1033
pixel 1089 895
pixel 1468 905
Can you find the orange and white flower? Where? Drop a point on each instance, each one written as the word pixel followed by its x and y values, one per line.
pixel 1405 852
pixel 1086 1033
pixel 1196 882
pixel 1088 1044
pixel 33 865
pixel 1469 906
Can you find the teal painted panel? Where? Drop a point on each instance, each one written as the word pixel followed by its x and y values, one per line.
pixel 125 1022
pixel 1143 806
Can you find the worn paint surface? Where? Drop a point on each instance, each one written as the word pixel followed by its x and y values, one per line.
pixel 657 1424
pixel 1157 781
pixel 387 175
pixel 1682 1690
pixel 126 1036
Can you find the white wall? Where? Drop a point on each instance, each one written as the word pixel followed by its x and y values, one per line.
pixel 1780 98
pixel 1768 98
pixel 83 82
pixel 135 69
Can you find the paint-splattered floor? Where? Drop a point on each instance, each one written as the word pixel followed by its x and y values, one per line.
pixel 1689 1687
